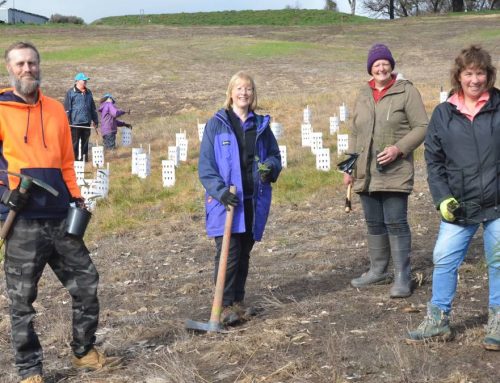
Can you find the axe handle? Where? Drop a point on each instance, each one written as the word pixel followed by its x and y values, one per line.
pixel 221 274
pixel 23 188
pixel 348 198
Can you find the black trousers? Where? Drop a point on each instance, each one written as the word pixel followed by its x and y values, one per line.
pixel 82 134
pixel 238 260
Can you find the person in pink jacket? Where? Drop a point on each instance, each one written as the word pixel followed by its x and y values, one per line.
pixel 109 122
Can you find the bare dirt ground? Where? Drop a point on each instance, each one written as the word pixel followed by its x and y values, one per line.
pixel 312 326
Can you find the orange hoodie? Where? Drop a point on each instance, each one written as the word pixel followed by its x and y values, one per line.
pixel 36 140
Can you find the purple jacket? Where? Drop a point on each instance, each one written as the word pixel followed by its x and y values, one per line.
pixel 219 167
pixel 109 113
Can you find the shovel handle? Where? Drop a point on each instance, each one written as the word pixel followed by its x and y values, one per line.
pixel 348 207
pixel 23 188
pixel 221 274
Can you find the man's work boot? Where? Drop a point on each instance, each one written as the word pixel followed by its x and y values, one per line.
pixel 95 360
pixel 436 326
pixel 379 250
pixel 33 379
pixel 492 340
pixel 400 251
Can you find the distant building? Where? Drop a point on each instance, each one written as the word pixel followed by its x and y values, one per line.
pixel 15 16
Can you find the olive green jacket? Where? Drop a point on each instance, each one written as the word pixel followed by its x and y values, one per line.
pixel 399 119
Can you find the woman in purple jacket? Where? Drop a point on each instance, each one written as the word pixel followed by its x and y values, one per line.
pixel 109 122
pixel 238 148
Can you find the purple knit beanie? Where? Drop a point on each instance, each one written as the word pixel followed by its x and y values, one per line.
pixel 379 52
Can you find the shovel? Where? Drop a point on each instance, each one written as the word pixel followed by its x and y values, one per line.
pixel 214 324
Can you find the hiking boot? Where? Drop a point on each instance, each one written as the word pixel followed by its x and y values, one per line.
pixel 492 340
pixel 230 316
pixel 245 311
pixel 95 360
pixel 379 250
pixel 400 251
pixel 434 327
pixel 33 379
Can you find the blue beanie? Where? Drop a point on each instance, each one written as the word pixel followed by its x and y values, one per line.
pixel 379 52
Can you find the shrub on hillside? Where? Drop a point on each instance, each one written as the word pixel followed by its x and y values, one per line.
pixel 56 18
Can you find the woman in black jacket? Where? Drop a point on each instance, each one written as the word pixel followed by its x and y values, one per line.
pixel 462 152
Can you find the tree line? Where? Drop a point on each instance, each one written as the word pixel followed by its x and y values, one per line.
pixel 405 8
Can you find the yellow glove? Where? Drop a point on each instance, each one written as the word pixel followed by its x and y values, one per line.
pixel 447 207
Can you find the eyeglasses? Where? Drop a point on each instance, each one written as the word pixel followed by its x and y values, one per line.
pixel 247 90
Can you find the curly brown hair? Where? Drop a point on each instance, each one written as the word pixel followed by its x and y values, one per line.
pixel 477 57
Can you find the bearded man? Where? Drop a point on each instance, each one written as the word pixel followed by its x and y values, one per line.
pixel 35 141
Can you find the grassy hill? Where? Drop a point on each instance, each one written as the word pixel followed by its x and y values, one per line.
pixel 284 17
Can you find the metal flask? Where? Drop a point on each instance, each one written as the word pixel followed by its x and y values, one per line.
pixel 77 221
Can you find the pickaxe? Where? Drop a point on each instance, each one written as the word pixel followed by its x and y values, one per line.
pixel 25 185
pixel 347 166
pixel 214 324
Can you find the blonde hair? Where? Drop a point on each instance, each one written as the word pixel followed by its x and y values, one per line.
pixel 241 75
pixel 478 58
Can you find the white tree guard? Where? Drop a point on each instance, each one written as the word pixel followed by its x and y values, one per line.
pixel 342 143
pixel 316 141
pixel 135 160
pixel 126 136
pixel 283 156
pixel 323 159
pixel 334 124
pixel 201 129
pixel 98 156
pixel 143 165
pixel 277 129
pixel 343 112
pixel 307 115
pixel 182 142
pixel 174 154
pixel 306 130
pixel 443 96
pixel 79 172
pixel 168 173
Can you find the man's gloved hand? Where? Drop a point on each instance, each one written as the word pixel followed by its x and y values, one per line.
pixel 264 172
pixel 228 199
pixel 128 126
pixel 79 202
pixel 15 200
pixel 448 207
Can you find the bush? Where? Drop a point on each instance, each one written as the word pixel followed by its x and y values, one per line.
pixel 56 18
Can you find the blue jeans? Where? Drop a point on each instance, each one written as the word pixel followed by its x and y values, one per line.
pixel 386 212
pixel 449 253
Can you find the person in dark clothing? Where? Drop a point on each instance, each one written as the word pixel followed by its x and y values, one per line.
pixel 462 152
pixel 82 115
pixel 238 148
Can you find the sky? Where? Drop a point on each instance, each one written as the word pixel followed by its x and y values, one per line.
pixel 90 10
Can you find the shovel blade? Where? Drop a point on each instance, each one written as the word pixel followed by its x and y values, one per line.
pixel 204 327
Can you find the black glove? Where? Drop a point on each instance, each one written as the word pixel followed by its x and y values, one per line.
pixel 128 126
pixel 229 198
pixel 15 200
pixel 265 171
pixel 79 202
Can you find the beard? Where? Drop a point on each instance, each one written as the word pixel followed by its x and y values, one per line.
pixel 27 85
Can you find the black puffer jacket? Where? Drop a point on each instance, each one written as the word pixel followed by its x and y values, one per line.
pixel 463 159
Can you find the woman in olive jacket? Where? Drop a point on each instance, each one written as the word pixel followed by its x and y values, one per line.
pixel 389 124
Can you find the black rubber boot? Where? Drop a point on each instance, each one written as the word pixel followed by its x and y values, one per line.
pixel 400 251
pixel 379 251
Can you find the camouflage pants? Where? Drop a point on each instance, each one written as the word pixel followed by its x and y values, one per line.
pixel 30 246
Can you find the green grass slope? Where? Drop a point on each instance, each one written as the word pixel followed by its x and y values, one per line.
pixel 284 17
